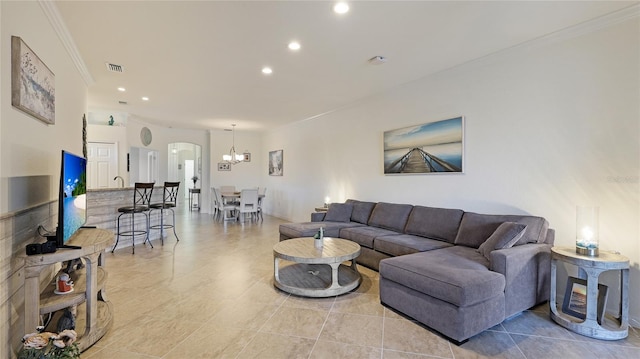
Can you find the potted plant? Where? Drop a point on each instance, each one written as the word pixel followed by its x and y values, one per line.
pixel 195 180
pixel 48 345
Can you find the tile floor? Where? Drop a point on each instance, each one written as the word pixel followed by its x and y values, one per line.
pixel 210 295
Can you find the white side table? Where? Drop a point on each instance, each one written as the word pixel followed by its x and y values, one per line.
pixel 589 268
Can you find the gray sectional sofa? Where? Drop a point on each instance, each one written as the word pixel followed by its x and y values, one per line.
pixel 456 272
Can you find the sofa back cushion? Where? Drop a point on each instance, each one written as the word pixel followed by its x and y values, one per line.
pixel 435 223
pixel 476 228
pixel 339 212
pixel 391 216
pixel 507 234
pixel 361 210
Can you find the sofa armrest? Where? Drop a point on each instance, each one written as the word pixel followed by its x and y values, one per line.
pixel 527 270
pixel 318 216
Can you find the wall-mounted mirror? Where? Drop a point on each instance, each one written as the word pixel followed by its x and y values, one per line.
pixel 185 162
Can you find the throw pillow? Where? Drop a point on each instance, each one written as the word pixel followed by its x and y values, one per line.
pixel 339 212
pixel 505 236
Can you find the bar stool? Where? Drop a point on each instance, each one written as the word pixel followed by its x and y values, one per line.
pixel 141 200
pixel 169 202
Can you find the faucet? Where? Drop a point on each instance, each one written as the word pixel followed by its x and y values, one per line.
pixel 122 179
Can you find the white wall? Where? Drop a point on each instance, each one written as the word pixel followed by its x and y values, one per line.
pixel 242 175
pixel 30 155
pixel 548 127
pixel 30 148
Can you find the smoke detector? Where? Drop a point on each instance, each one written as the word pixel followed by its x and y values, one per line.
pixel 377 60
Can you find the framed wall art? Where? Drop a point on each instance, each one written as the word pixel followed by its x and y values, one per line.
pixel 275 163
pixel 433 147
pixel 224 166
pixel 32 83
pixel 575 299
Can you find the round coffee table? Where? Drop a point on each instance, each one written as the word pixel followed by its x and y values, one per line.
pixel 316 272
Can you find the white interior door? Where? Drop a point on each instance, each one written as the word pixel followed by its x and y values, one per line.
pixel 102 164
pixel 152 166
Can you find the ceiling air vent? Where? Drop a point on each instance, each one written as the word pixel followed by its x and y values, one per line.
pixel 123 102
pixel 114 67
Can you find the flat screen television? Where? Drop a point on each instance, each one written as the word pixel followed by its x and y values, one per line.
pixel 72 199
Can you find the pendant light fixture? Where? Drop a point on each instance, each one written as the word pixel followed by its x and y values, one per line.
pixel 233 157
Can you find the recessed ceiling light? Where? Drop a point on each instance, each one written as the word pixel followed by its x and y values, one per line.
pixel 145 98
pixel 294 45
pixel 341 8
pixel 267 70
pixel 122 89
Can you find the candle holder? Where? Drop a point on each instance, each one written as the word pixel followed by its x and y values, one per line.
pixel 587 231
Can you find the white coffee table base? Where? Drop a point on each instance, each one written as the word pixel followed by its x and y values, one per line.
pixel 301 268
pixel 316 280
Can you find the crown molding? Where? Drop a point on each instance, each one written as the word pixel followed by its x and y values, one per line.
pixel 589 26
pixel 52 13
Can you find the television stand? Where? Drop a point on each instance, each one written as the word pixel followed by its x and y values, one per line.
pixel 95 316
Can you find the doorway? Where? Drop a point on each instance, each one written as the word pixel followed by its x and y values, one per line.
pixel 144 165
pixel 185 162
pixel 102 164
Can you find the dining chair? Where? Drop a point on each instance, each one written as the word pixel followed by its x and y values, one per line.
pixel 214 202
pixel 226 190
pixel 248 203
pixel 141 200
pixel 169 202
pixel 261 194
pixel 223 209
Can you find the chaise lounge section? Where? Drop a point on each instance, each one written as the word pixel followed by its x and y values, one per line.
pixel 456 272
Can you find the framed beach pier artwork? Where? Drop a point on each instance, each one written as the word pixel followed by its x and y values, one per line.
pixel 433 147
pixel 32 83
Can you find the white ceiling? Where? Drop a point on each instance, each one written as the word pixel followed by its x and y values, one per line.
pixel 200 62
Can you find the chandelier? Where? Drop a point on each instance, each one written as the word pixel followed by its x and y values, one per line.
pixel 233 157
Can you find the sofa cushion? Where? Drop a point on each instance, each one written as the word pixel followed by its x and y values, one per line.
pixel 361 210
pixel 476 228
pixel 364 235
pixel 455 275
pixel 391 216
pixel 505 236
pixel 308 229
pixel 339 212
pixel 436 223
pixel 406 244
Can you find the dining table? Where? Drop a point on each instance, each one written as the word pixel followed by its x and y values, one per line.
pixel 234 197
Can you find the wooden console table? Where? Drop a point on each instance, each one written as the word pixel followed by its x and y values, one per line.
pixel 589 268
pixel 89 286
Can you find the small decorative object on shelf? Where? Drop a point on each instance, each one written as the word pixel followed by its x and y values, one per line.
pixel 47 345
pixel 319 238
pixel 195 180
pixel 64 284
pixel 587 231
